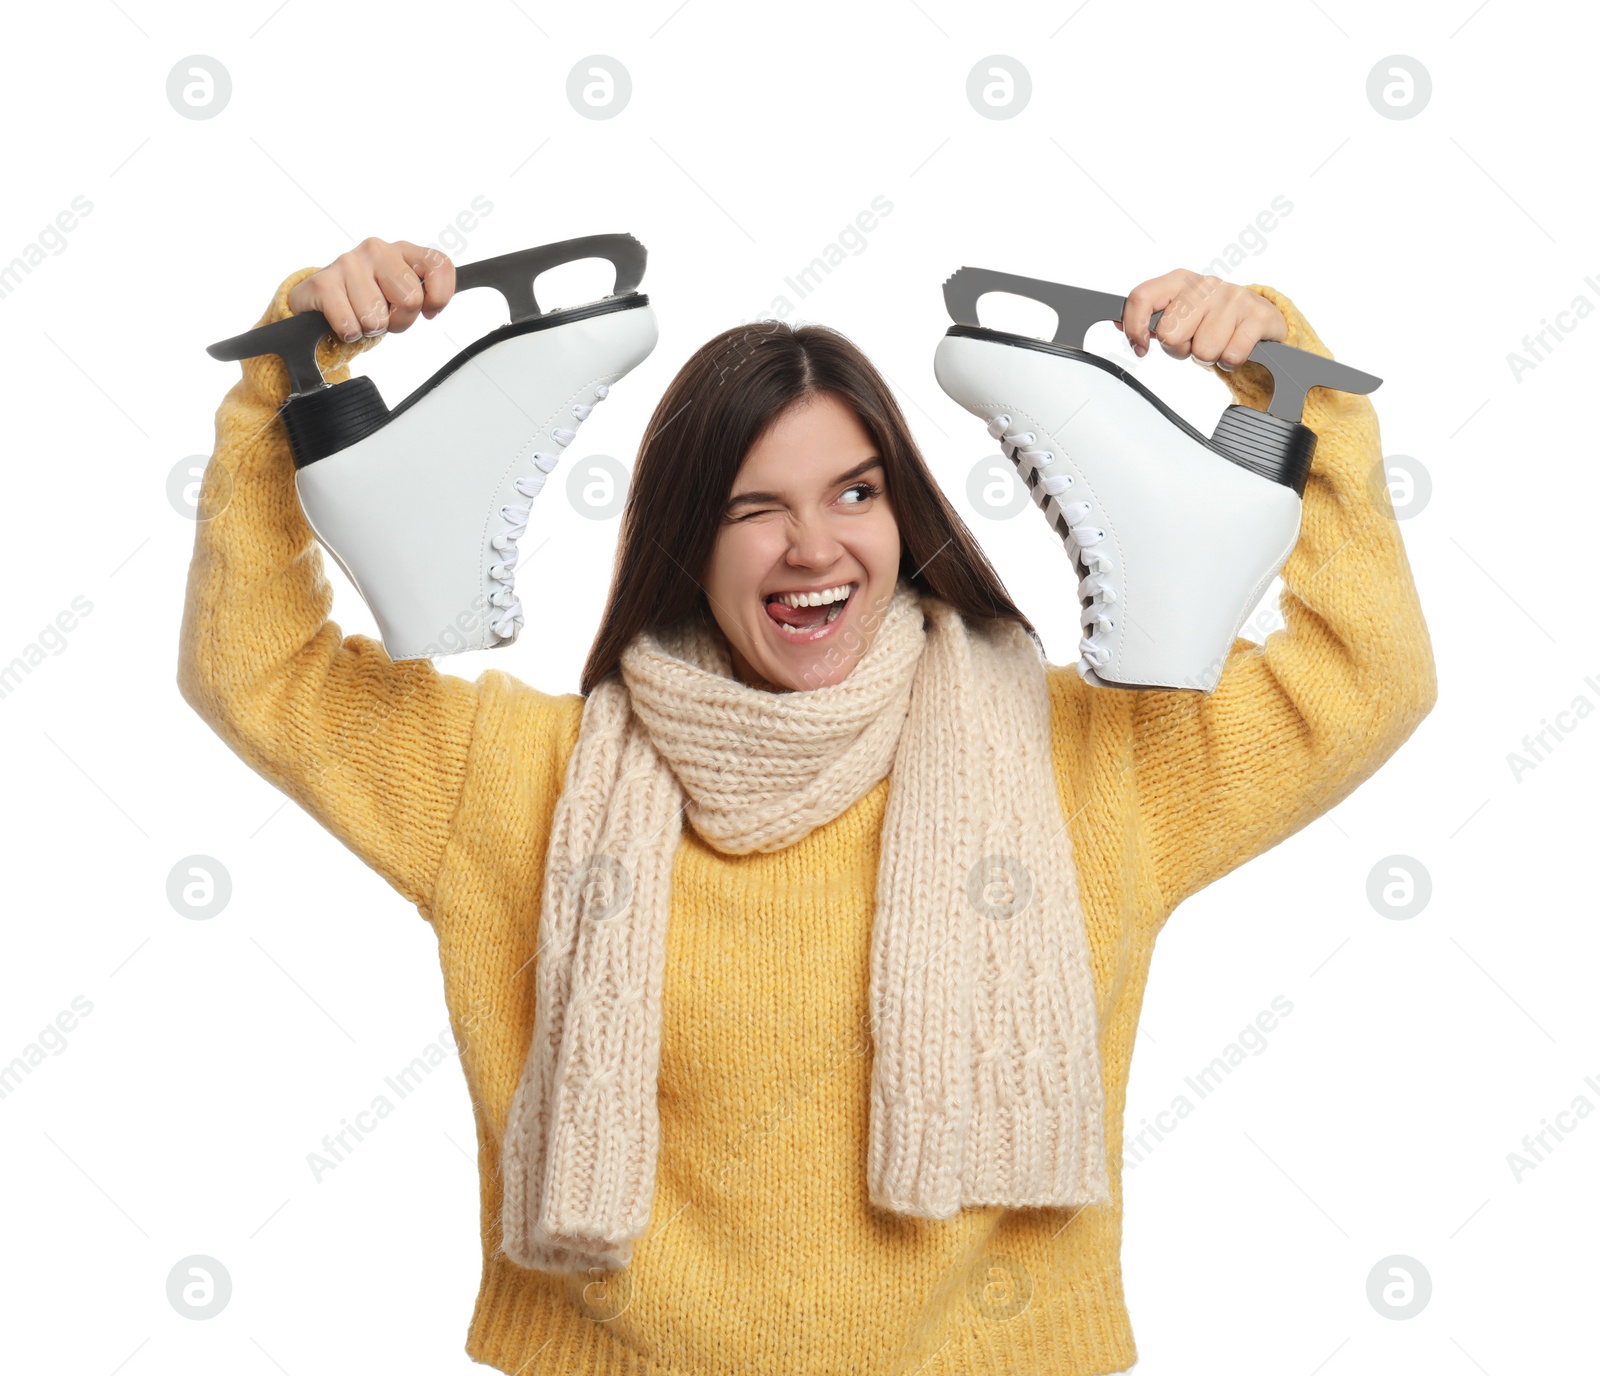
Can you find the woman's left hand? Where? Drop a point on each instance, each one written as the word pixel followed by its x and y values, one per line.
pixel 1201 317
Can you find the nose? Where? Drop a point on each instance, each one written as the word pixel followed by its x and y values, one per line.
pixel 812 545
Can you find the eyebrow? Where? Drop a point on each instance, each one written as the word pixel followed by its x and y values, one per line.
pixel 751 498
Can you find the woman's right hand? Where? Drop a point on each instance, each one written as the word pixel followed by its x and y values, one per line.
pixel 377 287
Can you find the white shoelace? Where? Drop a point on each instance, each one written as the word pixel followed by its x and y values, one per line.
pixel 1095 589
pixel 504 572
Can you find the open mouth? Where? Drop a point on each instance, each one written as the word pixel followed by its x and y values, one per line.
pixel 805 616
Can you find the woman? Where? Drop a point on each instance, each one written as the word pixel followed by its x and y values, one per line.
pixel 755 1090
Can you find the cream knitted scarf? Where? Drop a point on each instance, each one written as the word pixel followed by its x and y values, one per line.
pixel 986 1070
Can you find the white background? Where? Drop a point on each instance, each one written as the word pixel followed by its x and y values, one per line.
pixel 1377 1120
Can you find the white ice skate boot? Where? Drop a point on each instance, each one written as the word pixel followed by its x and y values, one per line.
pixel 422 506
pixel 1174 537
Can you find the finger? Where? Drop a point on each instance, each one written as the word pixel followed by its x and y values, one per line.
pixel 1215 329
pixel 333 301
pixel 437 272
pixel 417 280
pixel 1273 324
pixel 1186 309
pixel 361 268
pixel 401 287
pixel 1246 335
pixel 1143 301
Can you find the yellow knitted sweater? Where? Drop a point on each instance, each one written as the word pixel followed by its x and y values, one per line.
pixel 764 1254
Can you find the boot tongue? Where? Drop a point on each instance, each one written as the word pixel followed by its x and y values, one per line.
pixel 797 616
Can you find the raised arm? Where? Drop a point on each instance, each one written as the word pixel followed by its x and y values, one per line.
pixel 1296 723
pixel 375 751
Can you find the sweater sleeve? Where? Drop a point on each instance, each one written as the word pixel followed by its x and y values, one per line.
pixel 1296 723
pixel 375 751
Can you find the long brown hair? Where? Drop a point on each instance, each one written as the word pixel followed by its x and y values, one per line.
pixel 716 408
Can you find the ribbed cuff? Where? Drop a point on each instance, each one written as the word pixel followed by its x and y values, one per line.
pixel 528 1321
pixel 1084 1332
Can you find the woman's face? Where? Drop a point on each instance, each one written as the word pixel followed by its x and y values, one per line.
pixel 807 513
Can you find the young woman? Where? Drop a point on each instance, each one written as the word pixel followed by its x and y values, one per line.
pixel 796 962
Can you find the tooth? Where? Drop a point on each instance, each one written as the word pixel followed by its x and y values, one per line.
pixel 826 597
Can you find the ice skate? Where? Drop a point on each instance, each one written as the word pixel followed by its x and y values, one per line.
pixel 1174 537
pixel 422 505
